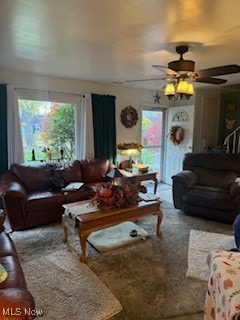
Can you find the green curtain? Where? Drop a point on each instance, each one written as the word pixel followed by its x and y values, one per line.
pixel 104 126
pixel 3 129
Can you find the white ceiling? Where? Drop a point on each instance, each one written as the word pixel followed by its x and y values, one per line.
pixel 117 40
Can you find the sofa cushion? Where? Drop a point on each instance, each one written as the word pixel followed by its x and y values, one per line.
pixel 78 195
pixel 210 198
pixel 94 170
pixel 57 182
pixel 33 178
pixel 70 171
pixel 215 178
pixel 44 201
pixel 215 161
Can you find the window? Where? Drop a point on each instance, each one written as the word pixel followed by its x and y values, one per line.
pixel 48 130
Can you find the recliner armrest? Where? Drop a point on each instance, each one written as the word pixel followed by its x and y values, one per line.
pixel 2 219
pixel 234 189
pixel 186 177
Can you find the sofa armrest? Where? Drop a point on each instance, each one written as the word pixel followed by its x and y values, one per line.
pixel 13 190
pixel 16 303
pixel 186 177
pixel 14 196
pixel 11 185
pixel 182 181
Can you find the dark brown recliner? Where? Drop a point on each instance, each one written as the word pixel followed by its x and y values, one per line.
pixel 206 187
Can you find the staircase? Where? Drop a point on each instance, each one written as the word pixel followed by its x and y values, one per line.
pixel 232 142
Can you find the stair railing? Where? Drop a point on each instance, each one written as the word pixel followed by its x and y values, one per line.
pixel 232 141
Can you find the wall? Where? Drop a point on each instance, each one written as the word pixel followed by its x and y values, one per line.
pixel 230 110
pixel 124 96
pixel 203 100
pixel 206 117
pixel 207 114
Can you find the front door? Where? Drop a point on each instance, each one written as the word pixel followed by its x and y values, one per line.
pixel 183 117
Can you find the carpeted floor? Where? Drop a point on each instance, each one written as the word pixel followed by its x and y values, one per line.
pixel 148 277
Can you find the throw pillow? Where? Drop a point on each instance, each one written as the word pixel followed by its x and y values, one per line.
pixel 57 182
pixel 3 273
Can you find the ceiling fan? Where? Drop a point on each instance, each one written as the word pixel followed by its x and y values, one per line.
pixel 185 69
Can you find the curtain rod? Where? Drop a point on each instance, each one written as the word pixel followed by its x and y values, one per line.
pixel 82 95
pixel 49 92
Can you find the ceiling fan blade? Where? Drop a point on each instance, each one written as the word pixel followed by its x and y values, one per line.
pixel 211 80
pixel 218 71
pixel 166 70
pixel 138 80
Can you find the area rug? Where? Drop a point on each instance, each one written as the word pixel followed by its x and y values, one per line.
pixel 117 236
pixel 63 286
pixel 147 277
pixel 200 244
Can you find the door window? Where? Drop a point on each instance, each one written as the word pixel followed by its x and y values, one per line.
pixel 152 139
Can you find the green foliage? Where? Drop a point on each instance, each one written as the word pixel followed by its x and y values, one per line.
pixel 147 156
pixel 59 130
pixel 146 123
pixel 47 125
pixel 62 129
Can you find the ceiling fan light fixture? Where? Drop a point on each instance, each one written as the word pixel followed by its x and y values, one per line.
pixel 170 90
pixel 190 89
pixel 183 89
pixel 182 86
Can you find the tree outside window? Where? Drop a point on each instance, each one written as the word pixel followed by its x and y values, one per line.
pixel 48 128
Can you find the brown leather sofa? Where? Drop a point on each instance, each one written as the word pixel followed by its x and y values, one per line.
pixel 30 198
pixel 16 302
pixel 206 187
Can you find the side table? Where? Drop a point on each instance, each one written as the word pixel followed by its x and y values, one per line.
pixel 139 177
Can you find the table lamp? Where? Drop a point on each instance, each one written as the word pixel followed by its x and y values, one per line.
pixel 130 153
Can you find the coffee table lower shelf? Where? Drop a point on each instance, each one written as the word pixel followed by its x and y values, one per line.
pixel 92 221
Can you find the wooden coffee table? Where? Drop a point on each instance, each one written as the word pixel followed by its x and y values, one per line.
pixel 86 223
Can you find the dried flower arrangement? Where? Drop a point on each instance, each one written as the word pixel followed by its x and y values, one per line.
pixel 129 145
pixel 109 196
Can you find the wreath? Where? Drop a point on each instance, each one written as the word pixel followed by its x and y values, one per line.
pixel 176 134
pixel 129 117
